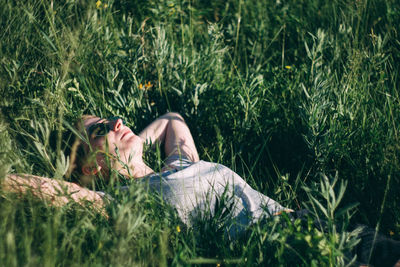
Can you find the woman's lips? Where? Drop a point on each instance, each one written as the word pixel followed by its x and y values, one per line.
pixel 125 134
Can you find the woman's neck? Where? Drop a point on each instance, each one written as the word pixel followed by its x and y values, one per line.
pixel 136 170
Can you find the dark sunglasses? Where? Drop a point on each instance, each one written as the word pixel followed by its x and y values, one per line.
pixel 102 128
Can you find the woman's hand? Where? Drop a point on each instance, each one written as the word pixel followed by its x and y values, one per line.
pixel 172 130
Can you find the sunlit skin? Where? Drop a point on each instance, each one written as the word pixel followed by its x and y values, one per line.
pixel 169 129
pixel 121 137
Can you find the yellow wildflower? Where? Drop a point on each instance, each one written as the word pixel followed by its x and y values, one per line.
pixel 391 233
pixel 148 85
pixel 98 4
pixel 218 265
pixel 152 103
pixel 105 5
pixel 288 67
pixel 178 229
pixel 141 86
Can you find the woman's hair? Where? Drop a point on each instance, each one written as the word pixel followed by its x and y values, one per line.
pixel 78 151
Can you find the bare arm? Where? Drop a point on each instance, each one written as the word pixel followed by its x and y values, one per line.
pixel 173 131
pixel 54 192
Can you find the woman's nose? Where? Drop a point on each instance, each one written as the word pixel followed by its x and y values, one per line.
pixel 118 123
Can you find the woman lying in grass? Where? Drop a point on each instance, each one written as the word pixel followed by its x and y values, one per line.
pixel 187 183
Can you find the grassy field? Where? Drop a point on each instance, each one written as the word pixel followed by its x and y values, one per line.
pixel 300 98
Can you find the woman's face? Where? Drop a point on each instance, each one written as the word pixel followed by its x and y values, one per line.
pixel 114 135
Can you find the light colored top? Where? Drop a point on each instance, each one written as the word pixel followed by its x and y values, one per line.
pixel 197 189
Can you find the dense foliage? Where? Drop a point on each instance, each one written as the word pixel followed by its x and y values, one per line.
pixel 301 98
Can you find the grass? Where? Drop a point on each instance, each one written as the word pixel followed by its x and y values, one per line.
pixel 301 98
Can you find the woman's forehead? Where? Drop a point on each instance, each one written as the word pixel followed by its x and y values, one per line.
pixel 89 121
pixel 92 120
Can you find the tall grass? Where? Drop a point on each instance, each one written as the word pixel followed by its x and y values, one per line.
pixel 299 97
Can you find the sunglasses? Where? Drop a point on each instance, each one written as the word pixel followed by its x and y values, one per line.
pixel 102 128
